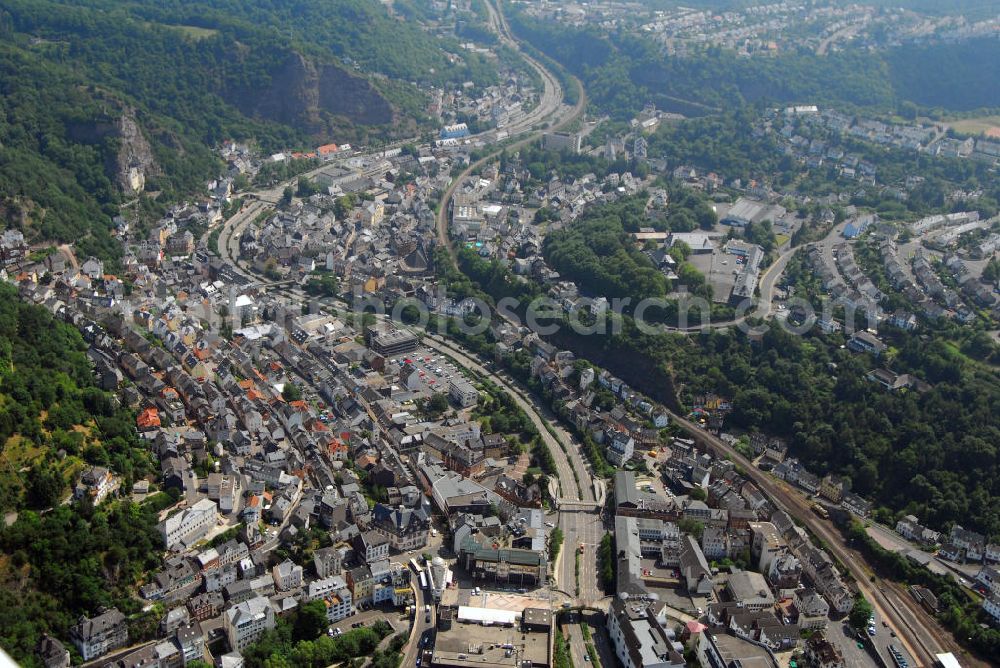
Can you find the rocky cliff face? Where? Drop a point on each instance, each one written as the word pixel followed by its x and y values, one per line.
pixel 312 97
pixel 135 156
pixel 128 156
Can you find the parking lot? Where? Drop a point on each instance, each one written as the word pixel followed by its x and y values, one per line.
pixel 495 595
pixel 719 269
pixel 434 371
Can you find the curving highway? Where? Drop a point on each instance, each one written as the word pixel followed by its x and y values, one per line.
pixel 551 101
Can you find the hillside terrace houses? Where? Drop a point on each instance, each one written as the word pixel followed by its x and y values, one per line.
pixel 972 544
pixel 99 635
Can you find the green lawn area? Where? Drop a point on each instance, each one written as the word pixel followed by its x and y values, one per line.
pixel 193 32
pixel 975 126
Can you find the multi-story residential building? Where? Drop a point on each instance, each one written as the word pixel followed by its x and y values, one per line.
pixel 287 575
pixel 909 527
pixel 52 653
pixel 621 447
pixel 832 487
pixel 246 621
pixel 973 543
pixel 991 604
pixel 224 489
pixel 813 610
pixel 405 528
pixel 784 571
pixel 989 577
pixel 174 619
pixel 638 632
pixel 324 587
pixel 327 561
pixel 767 545
pixel 339 604
pixel 361 584
pixel 371 546
pixel 191 642
pixel 864 341
pixel 217 578
pixel 97 483
pixel 205 606
pixel 715 543
pixel 99 635
pixel 821 653
pixel 189 526
pixel 232 552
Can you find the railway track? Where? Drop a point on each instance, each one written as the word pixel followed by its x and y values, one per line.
pixel 921 636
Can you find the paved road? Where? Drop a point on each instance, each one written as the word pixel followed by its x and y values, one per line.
pixel 577 645
pixel 552 90
pixel 567 483
pixel 571 446
pixel 420 627
pixel 580 526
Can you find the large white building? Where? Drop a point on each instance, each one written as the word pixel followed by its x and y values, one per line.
pixel 97 483
pixel 639 635
pixel 246 621
pixel 463 393
pixel 318 589
pixel 189 526
pixel 620 448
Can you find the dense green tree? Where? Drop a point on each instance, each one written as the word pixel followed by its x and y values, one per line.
pixel 861 612
pixel 437 404
pixel 291 392
pixel 310 621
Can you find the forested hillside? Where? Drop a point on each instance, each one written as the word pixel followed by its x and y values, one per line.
pixel 596 253
pixel 53 423
pixel 91 89
pixel 53 420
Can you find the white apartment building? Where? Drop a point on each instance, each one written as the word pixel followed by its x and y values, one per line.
pixel 339 604
pixel 189 526
pixel 287 575
pixel 463 393
pixel 246 621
